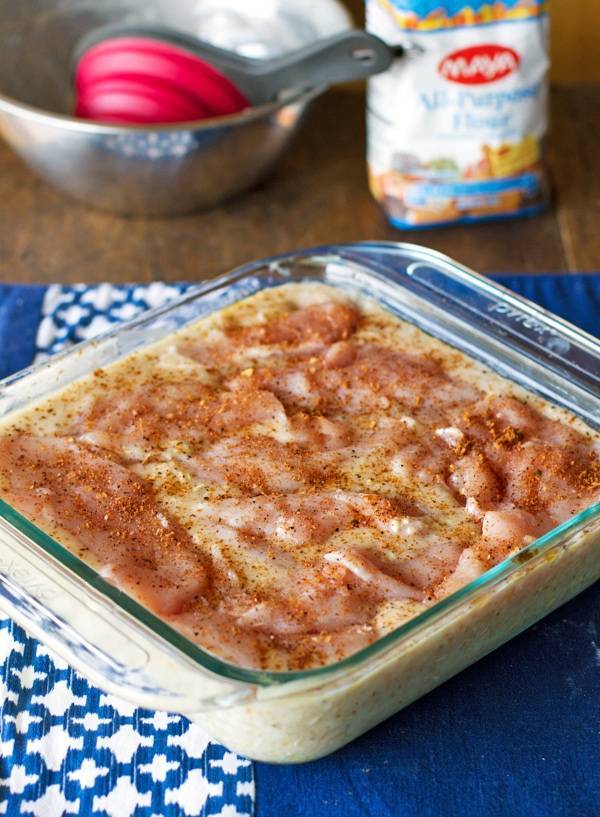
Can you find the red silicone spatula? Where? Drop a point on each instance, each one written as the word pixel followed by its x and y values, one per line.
pixel 156 75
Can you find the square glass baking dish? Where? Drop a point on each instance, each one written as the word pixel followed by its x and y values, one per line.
pixel 299 716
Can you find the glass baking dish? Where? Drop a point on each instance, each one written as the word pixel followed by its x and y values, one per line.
pixel 298 716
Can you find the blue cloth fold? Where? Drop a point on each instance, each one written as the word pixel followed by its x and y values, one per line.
pixel 20 309
pixel 515 735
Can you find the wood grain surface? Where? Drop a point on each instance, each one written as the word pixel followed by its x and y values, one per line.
pixel 318 194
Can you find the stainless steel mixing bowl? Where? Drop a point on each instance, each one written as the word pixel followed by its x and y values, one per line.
pixel 165 169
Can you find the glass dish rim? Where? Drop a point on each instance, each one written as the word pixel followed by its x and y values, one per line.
pixel 263 678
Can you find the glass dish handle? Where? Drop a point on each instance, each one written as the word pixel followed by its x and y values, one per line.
pixel 34 614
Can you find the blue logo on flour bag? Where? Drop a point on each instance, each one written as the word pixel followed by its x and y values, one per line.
pixel 465 109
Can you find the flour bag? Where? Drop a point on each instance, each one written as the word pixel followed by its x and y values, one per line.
pixel 455 128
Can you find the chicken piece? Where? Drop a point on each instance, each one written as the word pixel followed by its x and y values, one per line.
pixel 298 519
pixel 257 464
pixel 507 530
pixel 154 417
pixel 315 326
pixel 300 333
pixel 147 416
pixel 468 568
pixel 370 379
pixel 111 513
pixel 473 477
pixel 383 584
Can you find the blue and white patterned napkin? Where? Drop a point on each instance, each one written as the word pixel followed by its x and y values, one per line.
pixel 66 747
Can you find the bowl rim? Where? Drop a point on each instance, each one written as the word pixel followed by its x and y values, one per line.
pixel 299 96
pixel 10 105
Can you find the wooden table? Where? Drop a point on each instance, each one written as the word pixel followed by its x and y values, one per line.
pixel 318 194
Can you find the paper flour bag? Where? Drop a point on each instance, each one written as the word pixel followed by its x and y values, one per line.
pixel 455 128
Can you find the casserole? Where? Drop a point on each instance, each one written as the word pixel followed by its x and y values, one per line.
pixel 295 716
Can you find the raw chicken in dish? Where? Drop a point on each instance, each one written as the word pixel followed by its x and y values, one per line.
pixel 293 477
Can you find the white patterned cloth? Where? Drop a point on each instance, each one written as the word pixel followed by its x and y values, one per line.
pixel 65 746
